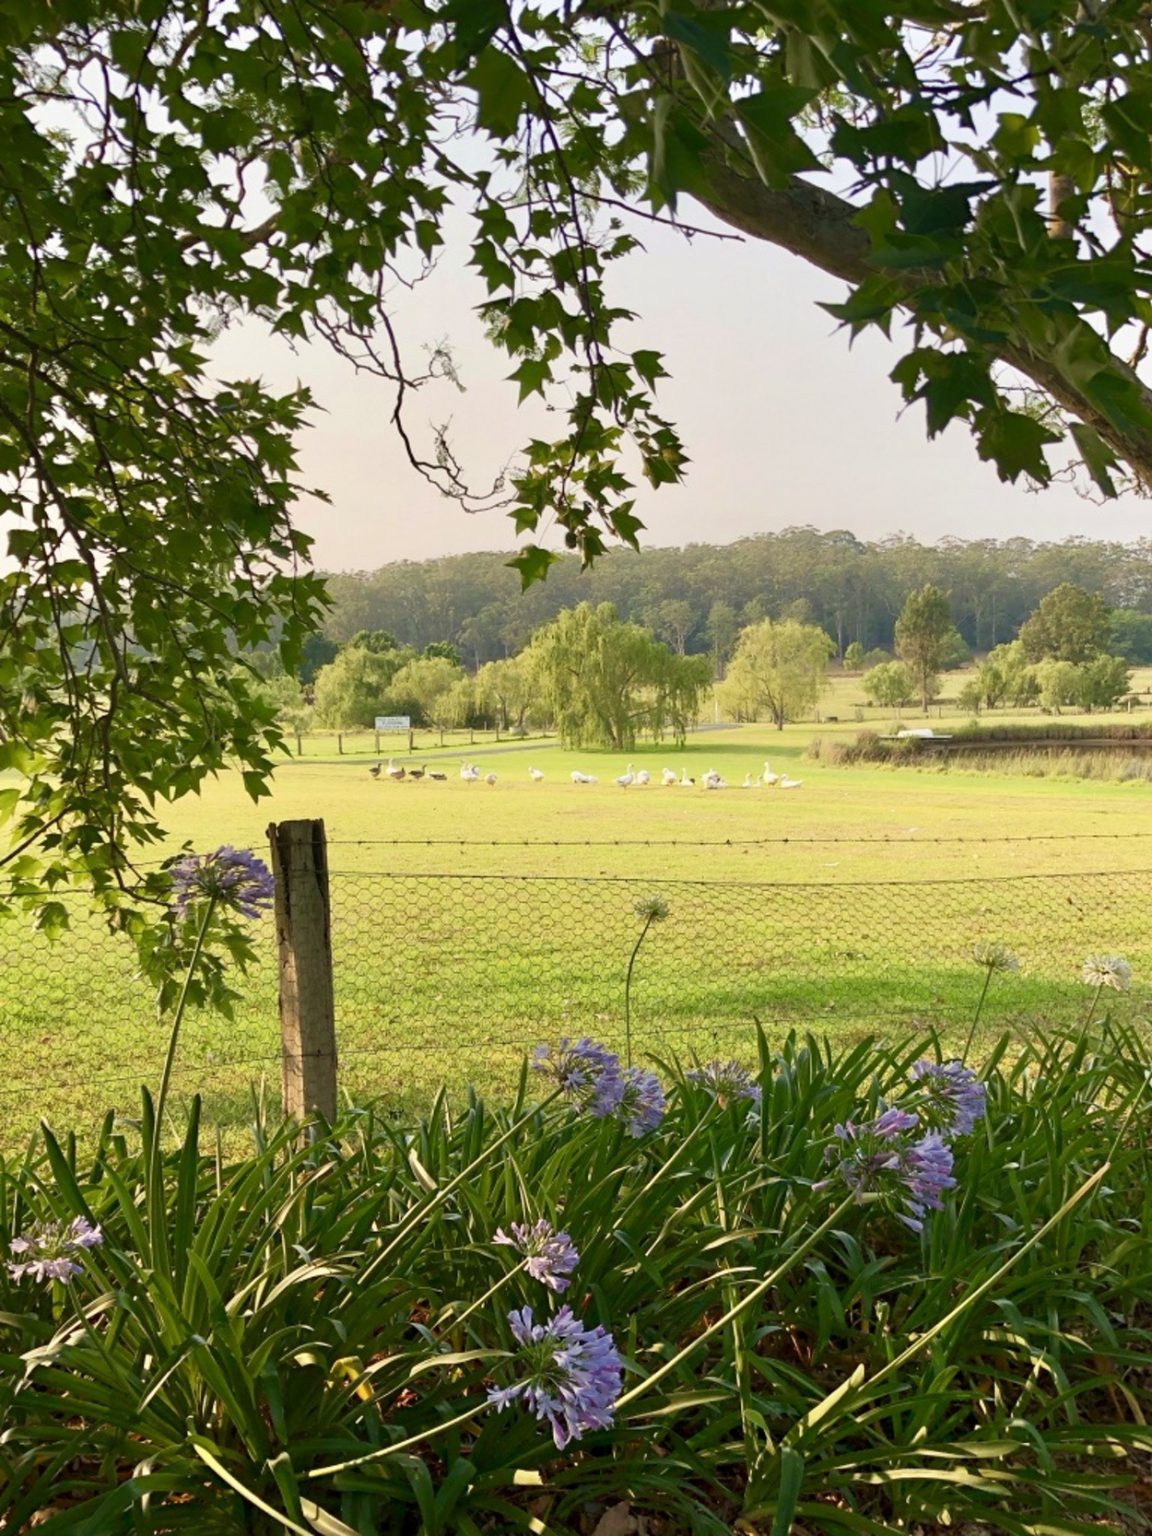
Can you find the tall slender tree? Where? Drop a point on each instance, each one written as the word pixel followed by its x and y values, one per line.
pixel 926 638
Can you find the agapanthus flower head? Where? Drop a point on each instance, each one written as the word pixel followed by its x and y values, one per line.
pixel 49 1250
pixel 1108 971
pixel 890 1123
pixel 727 1081
pixel 641 1104
pixel 588 1072
pixel 995 957
pixel 569 1375
pixel 651 909
pixel 881 1158
pixel 550 1255
pixel 951 1097
pixel 927 1172
pixel 233 877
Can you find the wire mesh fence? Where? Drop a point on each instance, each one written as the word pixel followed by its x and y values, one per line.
pixel 450 978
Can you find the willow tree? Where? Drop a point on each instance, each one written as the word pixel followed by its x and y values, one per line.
pixel 603 682
pixel 779 670
pixel 976 174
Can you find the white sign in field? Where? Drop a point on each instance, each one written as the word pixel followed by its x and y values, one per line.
pixel 393 722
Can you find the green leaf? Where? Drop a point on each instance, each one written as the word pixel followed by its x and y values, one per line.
pixel 502 89
pixel 1017 137
pixel 677 155
pixel 532 375
pixel 788 1496
pixel 533 563
pixel 1015 443
pixel 53 919
pixel 777 148
pixel 707 35
pixel 1099 460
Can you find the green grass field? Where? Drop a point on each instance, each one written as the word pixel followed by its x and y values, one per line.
pixel 470 921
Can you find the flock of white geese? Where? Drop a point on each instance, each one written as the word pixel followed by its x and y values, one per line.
pixel 633 777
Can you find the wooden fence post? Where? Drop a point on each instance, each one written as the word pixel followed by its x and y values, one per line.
pixel 304 944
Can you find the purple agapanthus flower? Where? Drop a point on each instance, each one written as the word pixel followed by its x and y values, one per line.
pixel 588 1072
pixel 881 1158
pixel 551 1256
pixel 953 1097
pixel 927 1173
pixel 49 1250
pixel 642 1100
pixel 570 1375
pixel 233 877
pixel 727 1081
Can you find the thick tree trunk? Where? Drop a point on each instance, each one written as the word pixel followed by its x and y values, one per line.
pixel 820 227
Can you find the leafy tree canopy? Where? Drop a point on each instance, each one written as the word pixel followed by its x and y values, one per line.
pixel 1069 625
pixel 419 689
pixel 352 690
pixel 603 682
pixel 378 641
pixel 926 638
pixel 890 684
pixel 1130 636
pixel 778 669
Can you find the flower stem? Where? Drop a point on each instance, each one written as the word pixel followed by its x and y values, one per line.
pixel 628 992
pixel 400 1445
pixel 1092 1009
pixel 426 1207
pixel 979 1011
pixel 458 1322
pixel 740 1307
pixel 178 1017
pixel 156 1204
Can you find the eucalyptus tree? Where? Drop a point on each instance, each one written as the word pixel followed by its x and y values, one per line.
pixel 926 638
pixel 977 174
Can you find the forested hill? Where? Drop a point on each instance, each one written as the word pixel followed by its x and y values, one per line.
pixel 696 597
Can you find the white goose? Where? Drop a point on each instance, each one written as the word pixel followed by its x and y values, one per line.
pixel 643 777
pixel 536 775
pixel 749 782
pixel 712 780
pixel 768 777
pixel 469 773
pixel 668 778
pixel 685 781
pixel 787 783
pixel 489 778
pixel 582 778
pixel 626 778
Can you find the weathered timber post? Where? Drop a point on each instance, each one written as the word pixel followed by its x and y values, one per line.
pixel 304 946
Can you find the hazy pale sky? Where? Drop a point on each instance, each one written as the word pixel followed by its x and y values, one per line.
pixel 784 423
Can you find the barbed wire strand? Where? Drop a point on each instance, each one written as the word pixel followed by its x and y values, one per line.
pixel 906 840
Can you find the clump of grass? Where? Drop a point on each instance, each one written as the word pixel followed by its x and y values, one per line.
pixel 1045 760
pixel 331 1334
pixel 1054 730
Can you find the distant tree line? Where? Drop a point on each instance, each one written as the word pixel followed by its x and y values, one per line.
pixel 696 600
pixel 599 680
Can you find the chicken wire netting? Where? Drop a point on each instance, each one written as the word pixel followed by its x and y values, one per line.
pixel 451 978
